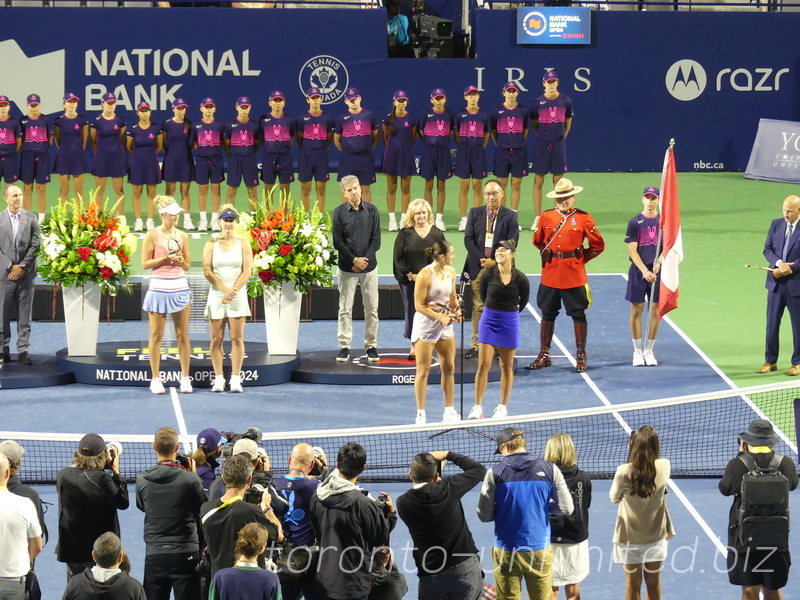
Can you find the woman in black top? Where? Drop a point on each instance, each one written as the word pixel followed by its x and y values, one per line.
pixel 504 291
pixel 418 234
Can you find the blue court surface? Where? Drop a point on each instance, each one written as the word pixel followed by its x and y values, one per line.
pixel 695 565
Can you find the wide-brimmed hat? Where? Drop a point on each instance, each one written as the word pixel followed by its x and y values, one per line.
pixel 564 189
pixel 760 433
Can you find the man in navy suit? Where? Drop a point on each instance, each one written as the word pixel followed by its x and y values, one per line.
pixel 486 225
pixel 19 242
pixel 782 251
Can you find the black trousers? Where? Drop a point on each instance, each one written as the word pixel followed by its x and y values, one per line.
pixel 175 572
pixel 575 302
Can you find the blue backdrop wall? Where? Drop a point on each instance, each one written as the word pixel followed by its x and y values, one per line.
pixel 704 79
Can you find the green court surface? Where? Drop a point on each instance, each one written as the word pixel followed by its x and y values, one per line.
pixel 724 223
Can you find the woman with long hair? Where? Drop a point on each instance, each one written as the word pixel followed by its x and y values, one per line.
pixel 106 135
pixel 71 133
pixel 227 263
pixel 246 580
pixel 418 233
pixel 504 290
pixel 177 167
pixel 165 251
pixel 436 305
pixel 209 448
pixel 643 522
pixel 569 534
pixel 143 142
pixel 399 132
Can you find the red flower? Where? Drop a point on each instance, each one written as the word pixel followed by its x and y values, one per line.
pixel 84 253
pixel 263 237
pixel 266 276
pixel 105 241
pixel 106 272
pixel 123 257
pixel 285 249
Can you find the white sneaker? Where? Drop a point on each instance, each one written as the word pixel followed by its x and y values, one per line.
pixel 440 223
pixel 187 222
pixel 186 385
pixel 215 224
pixel 392 222
pixel 535 225
pixel 236 383
pixel 476 412
pixel 157 386
pixel 150 224
pixel 218 385
pixel 421 419
pixel 462 224
pixel 138 225
pixel 500 412
pixel 450 415
pixel 649 359
pixel 203 225
pixel 638 358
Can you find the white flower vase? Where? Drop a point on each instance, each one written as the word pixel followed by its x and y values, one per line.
pixel 282 317
pixel 82 317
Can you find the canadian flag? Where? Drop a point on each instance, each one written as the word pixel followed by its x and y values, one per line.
pixel 672 242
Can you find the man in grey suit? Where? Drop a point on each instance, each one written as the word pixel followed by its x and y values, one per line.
pixel 486 225
pixel 19 242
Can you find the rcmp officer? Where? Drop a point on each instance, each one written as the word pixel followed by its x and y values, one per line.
pixel 560 240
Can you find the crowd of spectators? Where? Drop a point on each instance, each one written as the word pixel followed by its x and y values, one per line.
pixel 315 533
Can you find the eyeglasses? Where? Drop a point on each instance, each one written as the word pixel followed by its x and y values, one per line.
pixel 493 194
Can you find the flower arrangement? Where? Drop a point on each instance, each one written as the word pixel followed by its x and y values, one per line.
pixel 289 244
pixel 86 243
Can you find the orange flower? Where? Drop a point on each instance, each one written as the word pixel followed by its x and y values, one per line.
pixel 287 227
pixel 279 214
pixel 91 209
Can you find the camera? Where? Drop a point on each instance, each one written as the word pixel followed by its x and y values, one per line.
pixel 114 450
pixel 381 501
pixel 183 460
pixel 231 437
pixel 254 494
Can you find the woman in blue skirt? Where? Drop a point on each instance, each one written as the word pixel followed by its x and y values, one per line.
pixel 71 133
pixel 144 141
pixel 504 291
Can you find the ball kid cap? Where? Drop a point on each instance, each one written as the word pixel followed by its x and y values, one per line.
pixel 511 85
pixel 652 191
pixel 4 100
pixel 208 102
pixel 313 93
pixel 243 101
pixel 276 95
pixel 179 103
pixel 142 105
pixel 400 94
pixel 70 96
pixel 550 75
pixel 438 93
pixel 351 94
pixel 109 97
pixel 33 99
pixel 471 88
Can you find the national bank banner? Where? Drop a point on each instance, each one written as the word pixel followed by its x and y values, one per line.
pixel 776 152
pixel 708 96
pixel 554 25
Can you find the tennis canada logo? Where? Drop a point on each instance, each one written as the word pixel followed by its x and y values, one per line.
pixel 686 80
pixel 43 74
pixel 327 73
pixel 534 24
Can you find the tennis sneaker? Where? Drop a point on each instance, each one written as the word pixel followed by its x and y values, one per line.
pixel 450 415
pixel 392 222
pixel 649 359
pixel 421 418
pixel 372 355
pixel 344 355
pixel 462 224
pixel 440 223
pixel 203 225
pixel 138 225
pixel 186 385
pixel 638 358
pixel 187 221
pixel 500 412
pixel 157 386
pixel 218 385
pixel 215 223
pixel 476 412
pixel 150 224
pixel 236 383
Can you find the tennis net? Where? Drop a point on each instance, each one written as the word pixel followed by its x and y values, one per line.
pixel 698 434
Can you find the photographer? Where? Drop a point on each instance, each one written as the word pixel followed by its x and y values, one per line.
pixel 767 566
pixel 88 500
pixel 170 494
pixel 444 551
pixel 222 518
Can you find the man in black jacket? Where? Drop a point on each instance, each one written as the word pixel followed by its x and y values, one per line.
pixel 351 529
pixel 444 551
pixel 105 579
pixel 757 569
pixel 170 497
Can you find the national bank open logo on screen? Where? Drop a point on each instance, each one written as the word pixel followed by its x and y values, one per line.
pixel 21 75
pixel 554 25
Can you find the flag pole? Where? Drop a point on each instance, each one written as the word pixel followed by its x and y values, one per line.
pixel 646 330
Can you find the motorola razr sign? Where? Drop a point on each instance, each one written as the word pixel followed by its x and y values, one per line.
pixel 776 152
pixel 554 25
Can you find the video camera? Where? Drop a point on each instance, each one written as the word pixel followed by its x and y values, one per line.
pixel 231 437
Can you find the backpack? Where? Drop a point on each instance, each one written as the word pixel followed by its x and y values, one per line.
pixel 763 519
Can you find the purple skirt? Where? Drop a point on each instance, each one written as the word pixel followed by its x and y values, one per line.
pixel 143 169
pixel 177 166
pixel 499 328
pixel 109 163
pixel 166 303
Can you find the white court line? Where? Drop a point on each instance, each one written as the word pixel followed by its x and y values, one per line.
pixel 176 404
pixel 673 486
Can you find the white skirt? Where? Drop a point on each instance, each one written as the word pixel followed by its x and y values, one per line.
pixel 570 563
pixel 638 554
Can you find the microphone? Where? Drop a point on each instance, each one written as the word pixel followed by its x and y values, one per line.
pixel 464 282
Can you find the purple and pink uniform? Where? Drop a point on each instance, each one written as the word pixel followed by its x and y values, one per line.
pixel 9 133
pixel 208 166
pixel 644 231
pixel 357 134
pixel 398 158
pixel 509 126
pixel 549 147
pixel 471 154
pixel 242 163
pixel 178 140
pixel 71 155
pixel 277 134
pixel 313 161
pixel 143 168
pixel 34 160
pixel 109 160
pixel 436 129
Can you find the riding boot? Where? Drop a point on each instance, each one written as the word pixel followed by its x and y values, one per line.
pixel 545 337
pixel 580 345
